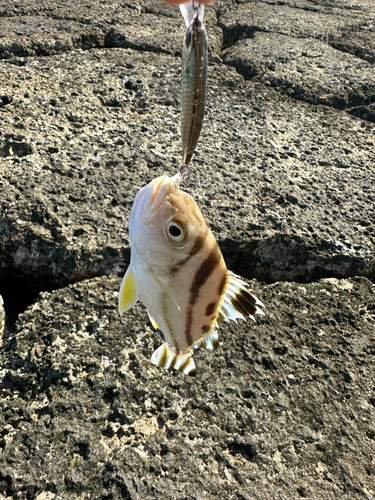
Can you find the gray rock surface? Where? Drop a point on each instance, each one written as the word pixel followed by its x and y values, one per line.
pixel 284 409
pixel 304 52
pixel 284 174
pixel 344 80
pixel 301 178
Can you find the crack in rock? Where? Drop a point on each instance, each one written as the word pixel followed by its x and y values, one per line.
pixel 292 399
pixel 285 407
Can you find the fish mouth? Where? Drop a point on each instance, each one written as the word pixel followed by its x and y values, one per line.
pixel 156 188
pixel 159 190
pixel 148 193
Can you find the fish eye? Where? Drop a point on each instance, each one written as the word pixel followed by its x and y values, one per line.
pixel 175 231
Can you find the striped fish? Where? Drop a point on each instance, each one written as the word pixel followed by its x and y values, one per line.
pixel 194 78
pixel 178 271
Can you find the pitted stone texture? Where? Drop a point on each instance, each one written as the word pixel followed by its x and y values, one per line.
pixel 84 131
pixel 323 21
pixel 305 69
pixel 42 29
pixel 284 408
pixel 322 53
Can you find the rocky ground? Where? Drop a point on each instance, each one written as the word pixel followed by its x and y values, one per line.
pixel 284 174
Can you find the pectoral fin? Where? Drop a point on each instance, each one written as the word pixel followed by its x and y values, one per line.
pixel 238 302
pixel 127 296
pixel 166 357
pixel 165 287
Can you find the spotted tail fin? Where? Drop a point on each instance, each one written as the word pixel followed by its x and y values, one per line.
pixel 166 357
pixel 238 302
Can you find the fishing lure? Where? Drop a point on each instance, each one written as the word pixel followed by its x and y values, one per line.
pixel 194 80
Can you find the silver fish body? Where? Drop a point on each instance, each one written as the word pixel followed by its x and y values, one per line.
pixel 193 86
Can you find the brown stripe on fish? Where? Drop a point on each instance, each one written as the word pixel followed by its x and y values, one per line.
pixel 198 245
pixel 223 285
pixel 244 302
pixel 184 365
pixel 173 362
pixel 164 357
pixel 210 308
pixel 203 273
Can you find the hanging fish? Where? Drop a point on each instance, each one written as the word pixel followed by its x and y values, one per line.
pixel 194 78
pixel 178 271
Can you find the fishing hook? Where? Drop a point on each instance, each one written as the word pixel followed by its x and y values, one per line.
pixel 184 172
pixel 196 5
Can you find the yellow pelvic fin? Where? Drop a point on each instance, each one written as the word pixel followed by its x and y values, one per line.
pixel 166 357
pixel 127 296
pixel 153 322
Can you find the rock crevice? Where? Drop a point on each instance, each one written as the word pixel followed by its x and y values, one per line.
pixel 284 175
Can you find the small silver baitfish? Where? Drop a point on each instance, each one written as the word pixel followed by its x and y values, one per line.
pixel 194 79
pixel 178 271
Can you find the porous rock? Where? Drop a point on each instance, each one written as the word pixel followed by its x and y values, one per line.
pixel 91 128
pixel 321 20
pixel 291 65
pixel 285 407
